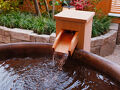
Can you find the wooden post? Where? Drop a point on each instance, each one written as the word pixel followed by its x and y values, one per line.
pixel 46 6
pixel 53 7
pixel 77 21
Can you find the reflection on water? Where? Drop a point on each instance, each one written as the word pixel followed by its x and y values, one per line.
pixel 39 73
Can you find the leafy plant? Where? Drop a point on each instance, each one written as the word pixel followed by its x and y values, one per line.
pixel 44 25
pixel 100 25
pixel 50 26
pixel 85 4
pixel 9 5
pixel 38 24
pixel 65 2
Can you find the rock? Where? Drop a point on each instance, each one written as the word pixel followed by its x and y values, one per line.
pixel 52 37
pixel 20 34
pixel 33 37
pixel 113 26
pixel 15 40
pixel 6 39
pixel 42 38
pixel 1 38
pixel 97 41
pixel 109 43
pixel 118 36
pixel 4 31
pixel 96 50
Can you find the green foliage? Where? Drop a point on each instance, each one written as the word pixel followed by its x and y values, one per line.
pixel 9 5
pixel 27 21
pixel 65 2
pixel 50 26
pixel 100 25
pixel 44 25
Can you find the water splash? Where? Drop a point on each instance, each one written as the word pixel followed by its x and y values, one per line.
pixel 59 59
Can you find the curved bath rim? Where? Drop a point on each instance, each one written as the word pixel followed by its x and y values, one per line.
pixel 99 63
pixel 35 49
pixel 25 49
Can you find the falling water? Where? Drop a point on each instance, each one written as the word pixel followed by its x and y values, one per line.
pixel 59 59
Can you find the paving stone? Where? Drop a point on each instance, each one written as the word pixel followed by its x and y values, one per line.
pixel 23 31
pixel 7 33
pixel 33 37
pixel 97 41
pixel 104 45
pixel 1 38
pixel 113 26
pixel 96 50
pixel 43 38
pixel 5 39
pixel 20 36
pixel 115 57
pixel 118 36
pixel 15 40
pixel 3 29
pixel 52 37
pixel 109 43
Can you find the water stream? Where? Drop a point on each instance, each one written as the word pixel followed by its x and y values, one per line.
pixel 59 59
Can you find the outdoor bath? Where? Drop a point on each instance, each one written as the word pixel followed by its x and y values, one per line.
pixel 30 66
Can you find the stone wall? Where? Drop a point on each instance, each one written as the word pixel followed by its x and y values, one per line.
pixel 8 35
pixel 118 36
pixel 102 45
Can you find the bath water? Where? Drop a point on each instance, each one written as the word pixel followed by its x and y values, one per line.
pixel 40 74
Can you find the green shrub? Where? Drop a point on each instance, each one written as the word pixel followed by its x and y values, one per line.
pixel 49 26
pixel 9 5
pixel 100 25
pixel 40 25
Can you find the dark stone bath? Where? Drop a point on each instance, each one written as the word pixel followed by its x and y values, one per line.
pixel 29 66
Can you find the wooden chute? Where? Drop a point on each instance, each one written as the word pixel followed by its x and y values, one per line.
pixel 66 42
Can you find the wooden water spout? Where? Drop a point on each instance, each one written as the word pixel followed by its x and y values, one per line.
pixel 73 30
pixel 66 42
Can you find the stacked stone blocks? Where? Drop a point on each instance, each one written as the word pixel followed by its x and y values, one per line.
pixel 102 45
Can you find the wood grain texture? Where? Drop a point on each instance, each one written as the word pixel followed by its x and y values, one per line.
pixel 115 6
pixel 75 15
pixel 74 21
pixel 66 42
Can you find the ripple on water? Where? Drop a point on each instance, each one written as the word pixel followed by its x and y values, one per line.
pixel 40 73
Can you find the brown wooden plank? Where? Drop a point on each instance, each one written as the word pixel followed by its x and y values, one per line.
pixel 116 20
pixel 66 42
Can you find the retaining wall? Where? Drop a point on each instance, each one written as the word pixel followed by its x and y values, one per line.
pixel 102 45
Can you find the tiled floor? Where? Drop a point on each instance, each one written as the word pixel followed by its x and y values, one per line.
pixel 115 57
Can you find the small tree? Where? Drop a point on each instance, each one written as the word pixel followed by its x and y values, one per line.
pixel 53 9
pixel 37 7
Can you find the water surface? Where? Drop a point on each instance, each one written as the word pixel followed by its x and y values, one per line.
pixel 40 73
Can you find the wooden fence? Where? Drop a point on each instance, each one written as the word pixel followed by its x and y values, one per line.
pixel 29 6
pixel 106 6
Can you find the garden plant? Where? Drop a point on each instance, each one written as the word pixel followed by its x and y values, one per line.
pixel 12 17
